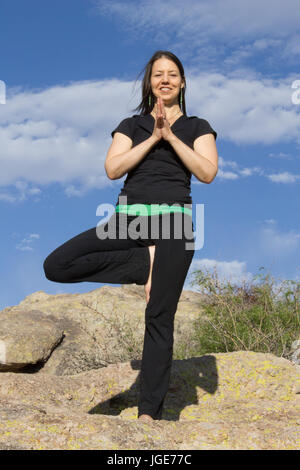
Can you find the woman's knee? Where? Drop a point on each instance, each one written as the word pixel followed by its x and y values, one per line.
pixel 52 270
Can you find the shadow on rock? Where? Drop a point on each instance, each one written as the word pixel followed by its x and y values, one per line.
pixel 186 376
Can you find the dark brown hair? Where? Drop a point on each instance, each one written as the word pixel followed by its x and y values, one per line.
pixel 144 107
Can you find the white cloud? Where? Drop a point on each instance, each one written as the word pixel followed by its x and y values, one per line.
pixel 234 175
pixel 270 221
pixel 278 243
pixel 24 247
pixel 62 134
pixel 222 19
pixel 230 163
pixel 204 30
pixel 246 110
pixel 284 177
pixel 71 190
pixel 6 197
pixel 227 175
pixel 19 191
pixel 292 46
pixel 26 244
pixel 34 191
pixel 233 271
pixel 280 155
pixel 250 171
pixel 264 43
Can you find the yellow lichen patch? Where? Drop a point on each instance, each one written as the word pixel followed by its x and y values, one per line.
pixel 249 405
pixel 286 397
pixel 193 435
pixel 114 447
pixel 91 428
pixel 11 423
pixel 54 429
pixel 129 413
pixel 256 417
pixel 73 446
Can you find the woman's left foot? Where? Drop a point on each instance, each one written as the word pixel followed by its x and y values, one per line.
pixel 146 418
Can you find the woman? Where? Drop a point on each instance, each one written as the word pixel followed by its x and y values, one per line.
pixel 159 149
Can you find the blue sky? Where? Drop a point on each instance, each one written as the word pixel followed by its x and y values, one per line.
pixel 70 67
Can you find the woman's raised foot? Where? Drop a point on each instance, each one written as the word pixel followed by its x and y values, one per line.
pixel 147 286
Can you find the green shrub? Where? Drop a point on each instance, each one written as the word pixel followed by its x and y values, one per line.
pixel 261 317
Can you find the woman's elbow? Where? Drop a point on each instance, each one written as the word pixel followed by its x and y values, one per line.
pixel 113 176
pixel 212 177
pixel 110 174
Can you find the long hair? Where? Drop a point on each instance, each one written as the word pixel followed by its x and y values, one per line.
pixel 144 107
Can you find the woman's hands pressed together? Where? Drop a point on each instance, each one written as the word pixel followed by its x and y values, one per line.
pixel 161 126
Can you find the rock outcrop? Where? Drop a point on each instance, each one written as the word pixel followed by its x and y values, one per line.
pixel 97 325
pixel 79 389
pixel 239 400
pixel 294 355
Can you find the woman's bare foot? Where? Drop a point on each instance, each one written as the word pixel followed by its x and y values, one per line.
pixel 147 286
pixel 146 418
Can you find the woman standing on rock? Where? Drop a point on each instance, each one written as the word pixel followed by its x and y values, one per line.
pixel 159 149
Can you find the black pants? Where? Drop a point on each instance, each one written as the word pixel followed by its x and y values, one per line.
pixel 119 260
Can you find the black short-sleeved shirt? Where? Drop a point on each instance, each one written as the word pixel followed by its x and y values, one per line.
pixel 160 177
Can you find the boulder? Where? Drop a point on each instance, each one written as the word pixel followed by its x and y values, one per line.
pixel 27 338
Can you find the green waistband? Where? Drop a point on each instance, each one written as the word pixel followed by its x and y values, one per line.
pixel 150 209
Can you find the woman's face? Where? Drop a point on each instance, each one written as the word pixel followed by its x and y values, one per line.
pixel 165 73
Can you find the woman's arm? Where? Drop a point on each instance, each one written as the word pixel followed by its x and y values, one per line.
pixel 203 160
pixel 121 157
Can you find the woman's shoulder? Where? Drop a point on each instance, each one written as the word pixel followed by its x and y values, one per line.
pixel 130 121
pixel 202 126
pixel 197 119
pixel 129 118
pixel 126 126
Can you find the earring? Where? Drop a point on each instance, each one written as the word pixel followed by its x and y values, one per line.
pixel 149 100
pixel 181 98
